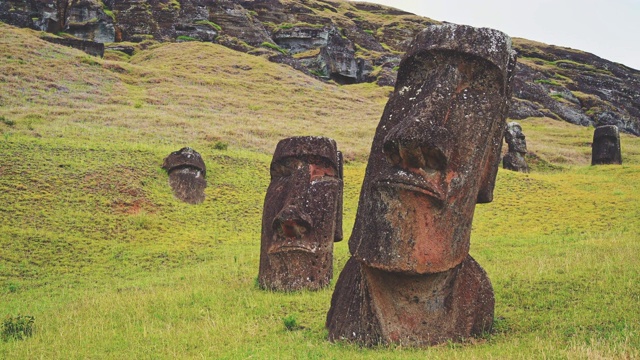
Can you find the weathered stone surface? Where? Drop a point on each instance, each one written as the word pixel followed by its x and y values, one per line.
pixel 411 310
pixel 187 175
pixel 84 19
pixel 302 215
pixel 90 47
pixel 515 159
pixel 606 146
pixel 555 82
pixel 435 155
pixel 575 86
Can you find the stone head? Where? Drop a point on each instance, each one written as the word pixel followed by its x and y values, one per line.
pixel 302 214
pixel 187 173
pixel 436 151
pixel 515 138
pixel 606 146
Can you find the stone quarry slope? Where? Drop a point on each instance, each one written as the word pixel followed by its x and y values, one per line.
pixel 347 42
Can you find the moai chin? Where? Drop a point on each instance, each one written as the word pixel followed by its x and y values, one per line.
pixel 302 215
pixel 186 175
pixel 435 154
pixel 606 146
pixel 515 159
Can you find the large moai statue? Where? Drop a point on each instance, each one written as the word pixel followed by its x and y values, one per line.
pixel 186 175
pixel 515 159
pixel 435 154
pixel 606 146
pixel 302 215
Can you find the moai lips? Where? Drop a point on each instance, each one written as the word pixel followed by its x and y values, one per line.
pixel 515 159
pixel 606 146
pixel 186 175
pixel 435 155
pixel 302 215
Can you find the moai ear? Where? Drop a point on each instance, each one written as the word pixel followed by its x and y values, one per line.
pixel 489 172
pixel 490 168
pixel 338 232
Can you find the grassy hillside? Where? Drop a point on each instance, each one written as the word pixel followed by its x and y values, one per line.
pixel 95 247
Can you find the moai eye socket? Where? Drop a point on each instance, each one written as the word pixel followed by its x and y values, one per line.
pixel 285 167
pixel 320 170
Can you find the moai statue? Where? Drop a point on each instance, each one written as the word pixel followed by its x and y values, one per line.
pixel 435 154
pixel 302 215
pixel 515 158
pixel 186 175
pixel 606 146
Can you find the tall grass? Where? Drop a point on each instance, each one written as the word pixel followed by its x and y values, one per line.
pixel 94 245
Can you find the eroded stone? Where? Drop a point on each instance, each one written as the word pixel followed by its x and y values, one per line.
pixel 435 155
pixel 302 215
pixel 515 159
pixel 187 174
pixel 606 146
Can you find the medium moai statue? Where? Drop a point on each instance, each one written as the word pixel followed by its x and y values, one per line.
pixel 435 154
pixel 606 146
pixel 186 175
pixel 515 159
pixel 302 215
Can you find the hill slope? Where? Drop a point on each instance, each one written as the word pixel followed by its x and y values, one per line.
pixel 111 265
pixel 347 42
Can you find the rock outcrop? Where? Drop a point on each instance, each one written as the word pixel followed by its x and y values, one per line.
pixel 347 42
pixel 575 86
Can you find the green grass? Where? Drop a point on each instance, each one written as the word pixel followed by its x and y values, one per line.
pixel 274 47
pixel 211 24
pixel 95 247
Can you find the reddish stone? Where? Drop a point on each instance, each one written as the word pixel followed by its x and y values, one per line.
pixel 302 215
pixel 435 155
pixel 413 310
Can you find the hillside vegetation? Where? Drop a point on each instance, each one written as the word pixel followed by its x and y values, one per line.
pixel 95 247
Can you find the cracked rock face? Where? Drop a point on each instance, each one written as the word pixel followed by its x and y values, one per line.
pixel 84 19
pixel 186 175
pixel 606 146
pixel 302 215
pixel 515 159
pixel 435 155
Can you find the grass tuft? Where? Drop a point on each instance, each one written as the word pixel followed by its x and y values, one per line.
pixel 17 327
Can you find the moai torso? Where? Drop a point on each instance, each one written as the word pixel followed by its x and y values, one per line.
pixel 302 215
pixel 186 175
pixel 606 146
pixel 435 154
pixel 515 159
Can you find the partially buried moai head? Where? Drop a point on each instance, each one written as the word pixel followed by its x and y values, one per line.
pixel 186 175
pixel 435 153
pixel 302 214
pixel 515 159
pixel 515 138
pixel 606 146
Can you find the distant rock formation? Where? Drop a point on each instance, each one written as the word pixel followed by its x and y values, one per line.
pixel 90 47
pixel 347 42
